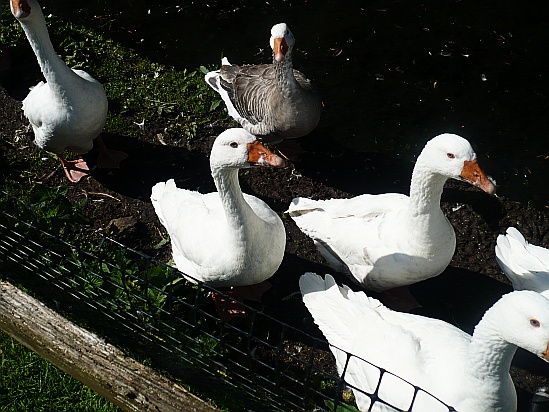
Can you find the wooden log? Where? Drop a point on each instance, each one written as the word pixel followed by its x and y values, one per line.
pixel 102 367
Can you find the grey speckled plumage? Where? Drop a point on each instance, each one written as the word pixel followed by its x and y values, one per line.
pixel 272 101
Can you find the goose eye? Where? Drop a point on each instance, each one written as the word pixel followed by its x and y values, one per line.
pixel 450 155
pixel 535 323
pixel 234 145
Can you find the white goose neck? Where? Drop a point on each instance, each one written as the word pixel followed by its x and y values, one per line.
pixel 490 355
pixel 52 67
pixel 425 190
pixel 237 210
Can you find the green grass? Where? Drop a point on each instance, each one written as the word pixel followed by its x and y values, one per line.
pixel 138 89
pixel 30 383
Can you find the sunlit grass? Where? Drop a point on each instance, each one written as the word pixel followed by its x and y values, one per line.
pixel 136 87
pixel 30 383
pixel 139 91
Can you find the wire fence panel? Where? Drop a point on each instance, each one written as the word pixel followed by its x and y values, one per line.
pixel 148 308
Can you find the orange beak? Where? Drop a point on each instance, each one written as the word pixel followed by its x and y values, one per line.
pixel 473 174
pixel 20 8
pixel 280 48
pixel 546 353
pixel 259 155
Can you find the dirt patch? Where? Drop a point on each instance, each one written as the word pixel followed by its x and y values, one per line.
pixel 118 204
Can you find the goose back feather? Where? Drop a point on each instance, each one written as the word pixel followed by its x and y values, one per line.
pixel 524 264
pixel 273 101
pixel 470 373
pixel 224 238
pixel 391 240
pixel 69 109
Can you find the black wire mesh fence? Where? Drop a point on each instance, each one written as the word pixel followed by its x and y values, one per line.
pixel 148 308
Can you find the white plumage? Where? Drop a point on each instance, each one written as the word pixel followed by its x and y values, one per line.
pixel 525 265
pixel 224 238
pixel 469 373
pixel 69 110
pixel 390 240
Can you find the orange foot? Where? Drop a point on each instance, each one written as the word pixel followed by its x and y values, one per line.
pixel 109 159
pixel 74 169
pixel 229 304
pixel 400 299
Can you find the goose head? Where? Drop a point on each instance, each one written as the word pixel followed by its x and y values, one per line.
pixel 282 40
pixel 238 149
pixel 522 319
pixel 452 156
pixel 24 9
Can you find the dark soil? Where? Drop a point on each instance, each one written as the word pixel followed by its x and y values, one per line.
pixel 471 284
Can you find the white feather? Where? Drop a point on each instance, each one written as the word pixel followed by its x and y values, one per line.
pixel 390 240
pixel 470 373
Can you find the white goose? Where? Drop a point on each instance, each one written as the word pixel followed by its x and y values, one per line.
pixel 272 101
pixel 390 240
pixel 525 265
pixel 224 238
pixel 69 110
pixel 469 373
